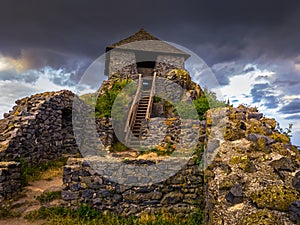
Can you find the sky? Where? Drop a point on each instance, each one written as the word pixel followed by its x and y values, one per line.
pixel 252 47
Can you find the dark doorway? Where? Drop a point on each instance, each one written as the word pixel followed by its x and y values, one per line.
pixel 145 67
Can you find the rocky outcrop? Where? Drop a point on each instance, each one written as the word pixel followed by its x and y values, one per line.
pixel 253 178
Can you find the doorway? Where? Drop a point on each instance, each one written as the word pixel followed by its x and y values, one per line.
pixel 145 68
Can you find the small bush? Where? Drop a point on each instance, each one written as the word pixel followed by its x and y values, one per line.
pixel 207 101
pixel 286 131
pixel 105 101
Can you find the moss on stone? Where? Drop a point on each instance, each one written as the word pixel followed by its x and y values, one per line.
pixel 232 133
pixel 275 197
pixel 256 127
pixel 282 138
pixel 261 217
pixel 243 162
pixel 270 123
pixel 238 159
pixel 280 148
pixel 234 160
pixel 247 167
pixel 226 185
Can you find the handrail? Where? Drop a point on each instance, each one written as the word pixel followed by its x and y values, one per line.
pixel 133 109
pixel 152 92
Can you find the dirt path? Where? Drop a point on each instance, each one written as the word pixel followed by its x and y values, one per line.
pixel 28 203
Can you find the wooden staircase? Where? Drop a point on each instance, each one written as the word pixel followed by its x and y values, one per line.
pixel 140 116
pixel 141 111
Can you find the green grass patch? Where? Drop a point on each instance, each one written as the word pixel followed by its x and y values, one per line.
pixel 44 171
pixel 6 212
pixel 88 216
pixel 119 147
pixel 198 153
pixel 49 196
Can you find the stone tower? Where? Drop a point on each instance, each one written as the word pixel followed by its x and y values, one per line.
pixel 142 53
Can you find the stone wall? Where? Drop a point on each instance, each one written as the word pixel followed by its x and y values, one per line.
pixel 38 129
pixel 105 131
pixel 169 62
pixel 122 63
pixel 181 193
pixel 166 134
pixel 254 176
pixel 10 179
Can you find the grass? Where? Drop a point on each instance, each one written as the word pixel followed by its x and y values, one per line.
pixel 198 152
pixel 119 147
pixel 45 171
pixel 49 196
pixel 87 216
pixel 6 212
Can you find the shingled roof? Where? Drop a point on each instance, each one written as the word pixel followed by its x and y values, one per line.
pixel 144 41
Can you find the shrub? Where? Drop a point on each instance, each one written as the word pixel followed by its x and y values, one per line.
pixel 207 101
pixel 105 101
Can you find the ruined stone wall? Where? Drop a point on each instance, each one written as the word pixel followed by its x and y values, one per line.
pixel 254 175
pixel 38 129
pixel 181 193
pixel 10 179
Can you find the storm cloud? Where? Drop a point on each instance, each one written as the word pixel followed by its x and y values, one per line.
pixel 218 31
pixel 291 108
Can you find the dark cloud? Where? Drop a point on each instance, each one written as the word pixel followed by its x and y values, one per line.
pixel 291 108
pixel 294 117
pixel 217 30
pixel 71 34
pixel 271 102
pixel 12 75
pixel 258 92
pixel 262 93
pixel 224 71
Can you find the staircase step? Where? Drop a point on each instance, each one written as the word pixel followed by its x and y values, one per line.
pixel 136 131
